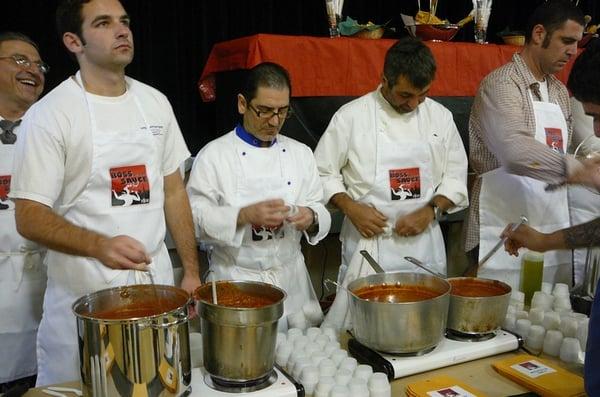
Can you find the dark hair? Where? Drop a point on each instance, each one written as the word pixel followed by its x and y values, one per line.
pixel 584 81
pixel 266 74
pixel 16 36
pixel 69 18
pixel 552 15
pixel 410 58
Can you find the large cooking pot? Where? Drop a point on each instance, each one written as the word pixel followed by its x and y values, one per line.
pixel 134 340
pixel 239 333
pixel 477 305
pixel 400 327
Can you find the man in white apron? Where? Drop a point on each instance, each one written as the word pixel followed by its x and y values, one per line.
pixel 585 86
pixel 393 161
pixel 22 274
pixel 519 131
pixel 255 192
pixel 95 137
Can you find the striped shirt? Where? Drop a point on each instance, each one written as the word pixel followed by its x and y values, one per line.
pixel 502 132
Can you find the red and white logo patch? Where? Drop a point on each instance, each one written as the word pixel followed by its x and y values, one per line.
pixel 554 139
pixel 5 203
pixel 405 183
pixel 129 186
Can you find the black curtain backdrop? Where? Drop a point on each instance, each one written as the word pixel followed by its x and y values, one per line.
pixel 174 37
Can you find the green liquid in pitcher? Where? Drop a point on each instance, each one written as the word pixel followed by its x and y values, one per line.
pixel 532 271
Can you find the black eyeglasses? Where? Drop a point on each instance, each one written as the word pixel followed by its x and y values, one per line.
pixel 282 113
pixel 24 62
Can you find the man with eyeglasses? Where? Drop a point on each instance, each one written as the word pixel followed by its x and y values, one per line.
pixel 393 162
pixel 22 274
pixel 255 192
pixel 98 135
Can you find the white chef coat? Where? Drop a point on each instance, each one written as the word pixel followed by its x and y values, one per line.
pixel 504 197
pixel 22 285
pixel 119 154
pixel 229 174
pixel 347 152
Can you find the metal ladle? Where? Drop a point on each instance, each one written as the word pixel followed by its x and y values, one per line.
pixel 372 262
pixel 420 264
pixel 214 287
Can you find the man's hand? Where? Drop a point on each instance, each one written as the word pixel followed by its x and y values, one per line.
pixel 269 213
pixel 122 252
pixel 588 174
pixel 523 236
pixel 189 283
pixel 367 219
pixel 415 222
pixel 303 219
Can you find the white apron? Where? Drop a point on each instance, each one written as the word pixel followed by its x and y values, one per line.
pixel 269 255
pixel 124 196
pixel 22 285
pixel 403 183
pixel 504 197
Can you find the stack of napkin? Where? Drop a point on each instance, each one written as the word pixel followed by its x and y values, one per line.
pixel 441 386
pixel 537 375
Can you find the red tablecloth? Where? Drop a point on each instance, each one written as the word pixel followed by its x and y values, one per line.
pixel 345 66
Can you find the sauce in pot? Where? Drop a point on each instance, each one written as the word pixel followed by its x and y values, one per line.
pixel 396 293
pixel 133 311
pixel 231 296
pixel 474 288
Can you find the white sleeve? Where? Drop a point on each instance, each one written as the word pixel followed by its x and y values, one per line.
pixel 313 198
pixel 331 155
pixel 39 164
pixel 453 183
pixel 175 151
pixel 214 223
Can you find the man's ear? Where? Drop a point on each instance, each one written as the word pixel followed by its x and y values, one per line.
pixel 242 104
pixel 72 42
pixel 538 34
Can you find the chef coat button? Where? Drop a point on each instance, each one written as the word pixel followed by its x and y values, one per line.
pixel 289 183
pixel 243 153
pixel 284 150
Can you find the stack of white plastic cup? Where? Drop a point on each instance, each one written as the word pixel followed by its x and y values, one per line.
pixel 282 354
pixel 521 314
pixel 358 388
pixel 568 326
pixel 517 299
pixel 522 327
pixel 349 363
pixel 582 332
pixel 313 332
pixel 331 347
pixel 535 339
pixel 339 391
pixel 536 316
pixel 326 383
pixel 297 320
pixel 327 368
pixel 293 333
pixel 309 377
pixel 546 288
pixel 551 321
pixel 542 301
pixel 317 357
pixel 379 386
pixel 300 364
pixel 338 355
pixel 552 342
pixel 301 342
pixel 293 359
pixel 569 350
pixel 322 341
pixel 343 376
pixel 363 372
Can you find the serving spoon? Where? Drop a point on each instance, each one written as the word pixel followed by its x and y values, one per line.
pixel 372 262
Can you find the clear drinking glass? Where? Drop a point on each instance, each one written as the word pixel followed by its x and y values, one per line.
pixel 482 16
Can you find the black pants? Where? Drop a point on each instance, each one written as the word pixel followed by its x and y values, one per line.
pixel 17 387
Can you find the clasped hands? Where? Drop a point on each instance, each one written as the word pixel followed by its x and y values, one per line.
pixel 272 213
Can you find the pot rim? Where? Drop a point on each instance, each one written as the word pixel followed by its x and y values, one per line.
pixel 198 301
pixel 441 296
pixel 82 301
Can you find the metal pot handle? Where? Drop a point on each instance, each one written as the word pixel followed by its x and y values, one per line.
pixel 182 318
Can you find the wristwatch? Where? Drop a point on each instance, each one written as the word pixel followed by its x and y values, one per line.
pixel 438 213
pixel 315 217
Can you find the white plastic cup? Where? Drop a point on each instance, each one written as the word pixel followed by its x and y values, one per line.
pixel 568 326
pixel 294 357
pixel 338 355
pixel 309 377
pixel 293 333
pixel 317 357
pixel 517 296
pixel 311 348
pixel 332 333
pixel 326 383
pixel 363 371
pixel 569 350
pixel 511 309
pixel 551 320
pixel 327 368
pixel 313 313
pixel 535 339
pixel 313 332
pixel 339 391
pixel 562 302
pixel 546 288
pixel 536 316
pixel 560 289
pixel 552 342
pixel 283 353
pixel 582 332
pixel 343 376
pixel 301 342
pixel 542 301
pixel 379 386
pixel 281 338
pixel 521 314
pixel 302 363
pixel 331 347
pixel 358 388
pixel 510 323
pixel 322 341
pixel 522 327
pixel 349 363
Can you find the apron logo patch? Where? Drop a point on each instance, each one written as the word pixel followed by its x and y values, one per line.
pixel 554 139
pixel 405 183
pixel 5 203
pixel 263 233
pixel 129 185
